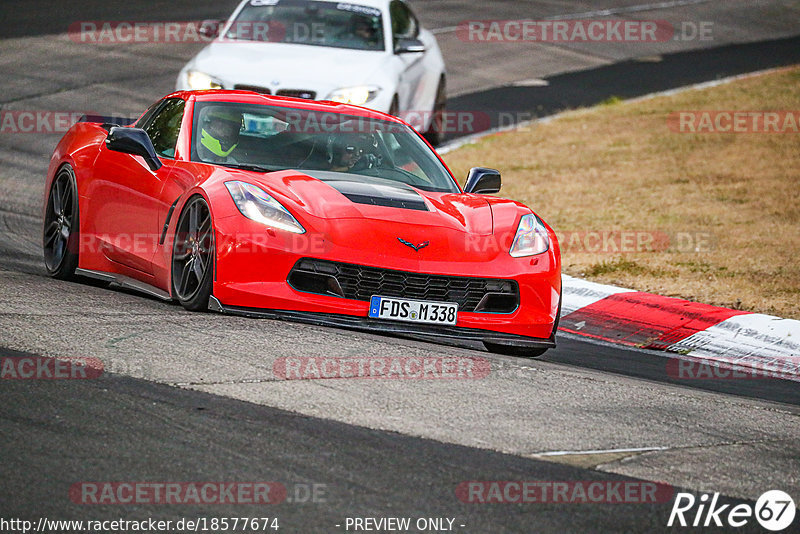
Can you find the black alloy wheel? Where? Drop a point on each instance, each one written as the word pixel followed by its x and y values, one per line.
pixel 60 236
pixel 193 256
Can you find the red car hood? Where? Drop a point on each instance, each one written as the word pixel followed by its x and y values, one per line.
pixel 338 196
pixel 351 213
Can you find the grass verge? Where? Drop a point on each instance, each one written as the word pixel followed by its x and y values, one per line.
pixel 710 217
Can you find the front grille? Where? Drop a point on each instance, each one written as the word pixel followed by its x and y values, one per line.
pixel 357 282
pixel 256 88
pixel 297 93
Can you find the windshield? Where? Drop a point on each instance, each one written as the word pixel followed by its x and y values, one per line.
pixel 338 25
pixel 271 138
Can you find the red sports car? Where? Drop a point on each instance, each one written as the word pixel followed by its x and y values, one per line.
pixel 319 212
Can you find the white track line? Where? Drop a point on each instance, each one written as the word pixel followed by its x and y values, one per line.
pixel 600 451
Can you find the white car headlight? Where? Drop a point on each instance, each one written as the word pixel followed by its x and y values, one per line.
pixel 358 96
pixel 256 204
pixel 531 238
pixel 200 80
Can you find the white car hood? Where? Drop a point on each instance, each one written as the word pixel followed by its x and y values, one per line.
pixel 290 65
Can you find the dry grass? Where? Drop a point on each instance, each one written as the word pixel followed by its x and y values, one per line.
pixel 618 167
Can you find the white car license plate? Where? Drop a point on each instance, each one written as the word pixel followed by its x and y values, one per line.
pixel 413 311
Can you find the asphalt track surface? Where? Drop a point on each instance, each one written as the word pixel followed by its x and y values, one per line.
pixel 180 434
pixel 193 397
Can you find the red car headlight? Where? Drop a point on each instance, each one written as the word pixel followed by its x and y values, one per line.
pixel 531 237
pixel 257 205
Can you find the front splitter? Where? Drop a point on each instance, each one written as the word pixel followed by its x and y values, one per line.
pixel 365 324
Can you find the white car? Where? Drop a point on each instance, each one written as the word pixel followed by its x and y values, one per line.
pixel 373 53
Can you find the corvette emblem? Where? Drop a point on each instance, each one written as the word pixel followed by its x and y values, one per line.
pixel 412 245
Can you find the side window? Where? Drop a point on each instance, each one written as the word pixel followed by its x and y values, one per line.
pixel 148 115
pixel 164 126
pixel 404 23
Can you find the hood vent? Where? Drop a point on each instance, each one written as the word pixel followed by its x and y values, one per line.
pixel 391 196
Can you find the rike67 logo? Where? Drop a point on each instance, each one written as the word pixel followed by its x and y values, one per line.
pixel 774 510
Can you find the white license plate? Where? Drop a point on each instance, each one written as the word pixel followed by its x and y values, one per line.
pixel 413 311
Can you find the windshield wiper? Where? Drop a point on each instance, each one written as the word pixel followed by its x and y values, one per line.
pixel 249 167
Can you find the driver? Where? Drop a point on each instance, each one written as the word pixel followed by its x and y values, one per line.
pixel 363 28
pixel 343 153
pixel 219 134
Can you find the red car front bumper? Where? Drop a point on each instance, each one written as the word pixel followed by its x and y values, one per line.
pixel 253 265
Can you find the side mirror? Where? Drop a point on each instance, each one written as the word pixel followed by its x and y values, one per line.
pixel 133 141
pixel 210 28
pixel 482 181
pixel 409 46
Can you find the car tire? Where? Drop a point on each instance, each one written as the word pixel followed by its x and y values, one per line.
pixel 516 350
pixel 61 232
pixel 435 133
pixel 193 256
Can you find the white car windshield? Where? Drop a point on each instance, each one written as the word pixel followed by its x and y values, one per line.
pixel 308 22
pixel 272 138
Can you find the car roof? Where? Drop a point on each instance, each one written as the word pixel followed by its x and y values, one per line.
pixel 251 97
